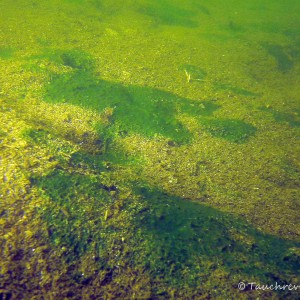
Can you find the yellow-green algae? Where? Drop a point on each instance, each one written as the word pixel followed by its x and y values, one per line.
pixel 123 178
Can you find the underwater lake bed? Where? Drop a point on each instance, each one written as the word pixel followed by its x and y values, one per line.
pixel 149 149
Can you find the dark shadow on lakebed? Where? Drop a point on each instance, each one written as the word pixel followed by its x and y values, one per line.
pixel 183 230
pixel 135 109
pixel 160 233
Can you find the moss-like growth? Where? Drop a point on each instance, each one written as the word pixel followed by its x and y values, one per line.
pixel 167 13
pixel 282 57
pixel 232 130
pixel 6 52
pixel 291 118
pixel 69 214
pixel 235 90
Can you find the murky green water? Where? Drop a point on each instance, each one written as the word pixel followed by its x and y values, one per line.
pixel 149 149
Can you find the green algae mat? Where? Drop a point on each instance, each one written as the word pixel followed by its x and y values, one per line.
pixel 149 149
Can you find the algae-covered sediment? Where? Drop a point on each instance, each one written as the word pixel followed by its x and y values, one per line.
pixel 149 149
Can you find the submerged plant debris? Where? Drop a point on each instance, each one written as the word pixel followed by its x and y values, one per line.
pixel 149 149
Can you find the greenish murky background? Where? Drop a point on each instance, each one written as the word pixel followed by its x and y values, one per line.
pixel 149 149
